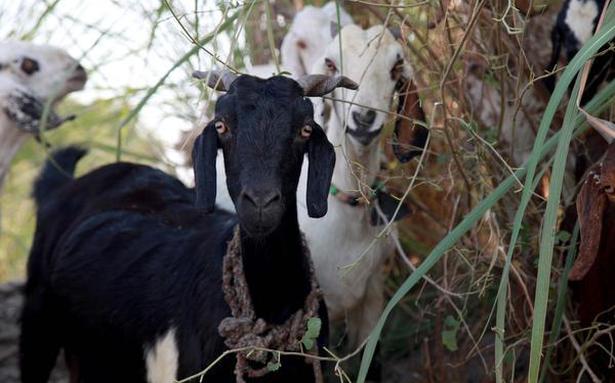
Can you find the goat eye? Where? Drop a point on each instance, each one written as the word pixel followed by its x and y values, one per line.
pixel 330 65
pixel 29 66
pixel 306 131
pixel 220 127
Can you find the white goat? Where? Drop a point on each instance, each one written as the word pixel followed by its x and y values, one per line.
pixel 31 76
pixel 347 254
pixel 305 41
pixel 309 36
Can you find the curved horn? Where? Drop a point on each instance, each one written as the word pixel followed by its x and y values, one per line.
pixel 216 79
pixel 317 85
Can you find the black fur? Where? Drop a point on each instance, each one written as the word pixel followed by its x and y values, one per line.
pixel 57 172
pixel 603 67
pixel 204 163
pixel 121 255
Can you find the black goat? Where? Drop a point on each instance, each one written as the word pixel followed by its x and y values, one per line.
pixel 125 274
pixel 575 23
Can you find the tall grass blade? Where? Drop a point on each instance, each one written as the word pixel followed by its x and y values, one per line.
pixel 133 113
pixel 562 289
pixel 571 71
pixel 539 150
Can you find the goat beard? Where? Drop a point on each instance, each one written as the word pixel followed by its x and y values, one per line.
pixel 28 113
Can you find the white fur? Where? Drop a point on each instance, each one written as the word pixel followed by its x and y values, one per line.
pixel 580 17
pixel 308 36
pixel 54 80
pixel 347 256
pixel 161 360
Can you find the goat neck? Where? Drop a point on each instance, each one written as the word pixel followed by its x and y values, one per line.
pixel 276 270
pixel 357 166
pixel 11 140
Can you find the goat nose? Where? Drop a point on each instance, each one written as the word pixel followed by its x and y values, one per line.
pixel 261 199
pixel 366 118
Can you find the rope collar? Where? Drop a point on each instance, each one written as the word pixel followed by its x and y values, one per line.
pixel 244 329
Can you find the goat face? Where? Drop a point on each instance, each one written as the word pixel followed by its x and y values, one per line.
pixel 30 76
pixel 49 73
pixel 375 59
pixel 264 127
pixel 308 36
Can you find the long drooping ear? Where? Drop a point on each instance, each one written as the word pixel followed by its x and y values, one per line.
pixel 409 138
pixel 592 203
pixel 204 165
pixel 317 85
pixel 216 79
pixel 322 161
pixel 28 111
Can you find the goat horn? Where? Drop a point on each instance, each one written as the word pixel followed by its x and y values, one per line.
pixel 316 85
pixel 216 79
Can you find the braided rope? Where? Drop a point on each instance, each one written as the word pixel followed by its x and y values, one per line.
pixel 243 329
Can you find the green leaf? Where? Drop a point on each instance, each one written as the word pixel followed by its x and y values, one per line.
pixel 313 327
pixel 562 237
pixel 449 334
pixel 312 332
pixel 273 366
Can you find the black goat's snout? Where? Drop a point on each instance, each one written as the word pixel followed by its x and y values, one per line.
pixel 261 199
pixel 260 210
pixel 366 118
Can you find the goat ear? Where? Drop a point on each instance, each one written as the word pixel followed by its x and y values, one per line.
pixel 27 111
pixel 204 164
pixel 592 203
pixel 320 170
pixel 409 138
pixel 317 85
pixel 220 80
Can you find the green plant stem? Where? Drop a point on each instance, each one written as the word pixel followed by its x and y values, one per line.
pixel 562 289
pixel 133 113
pixel 571 71
pixel 465 225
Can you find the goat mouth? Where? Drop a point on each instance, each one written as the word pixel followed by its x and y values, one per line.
pixel 364 136
pixel 78 80
pixel 258 230
pixel 255 226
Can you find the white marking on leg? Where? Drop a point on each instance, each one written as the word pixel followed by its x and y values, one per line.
pixel 161 360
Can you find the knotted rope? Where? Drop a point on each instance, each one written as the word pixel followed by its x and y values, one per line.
pixel 243 329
